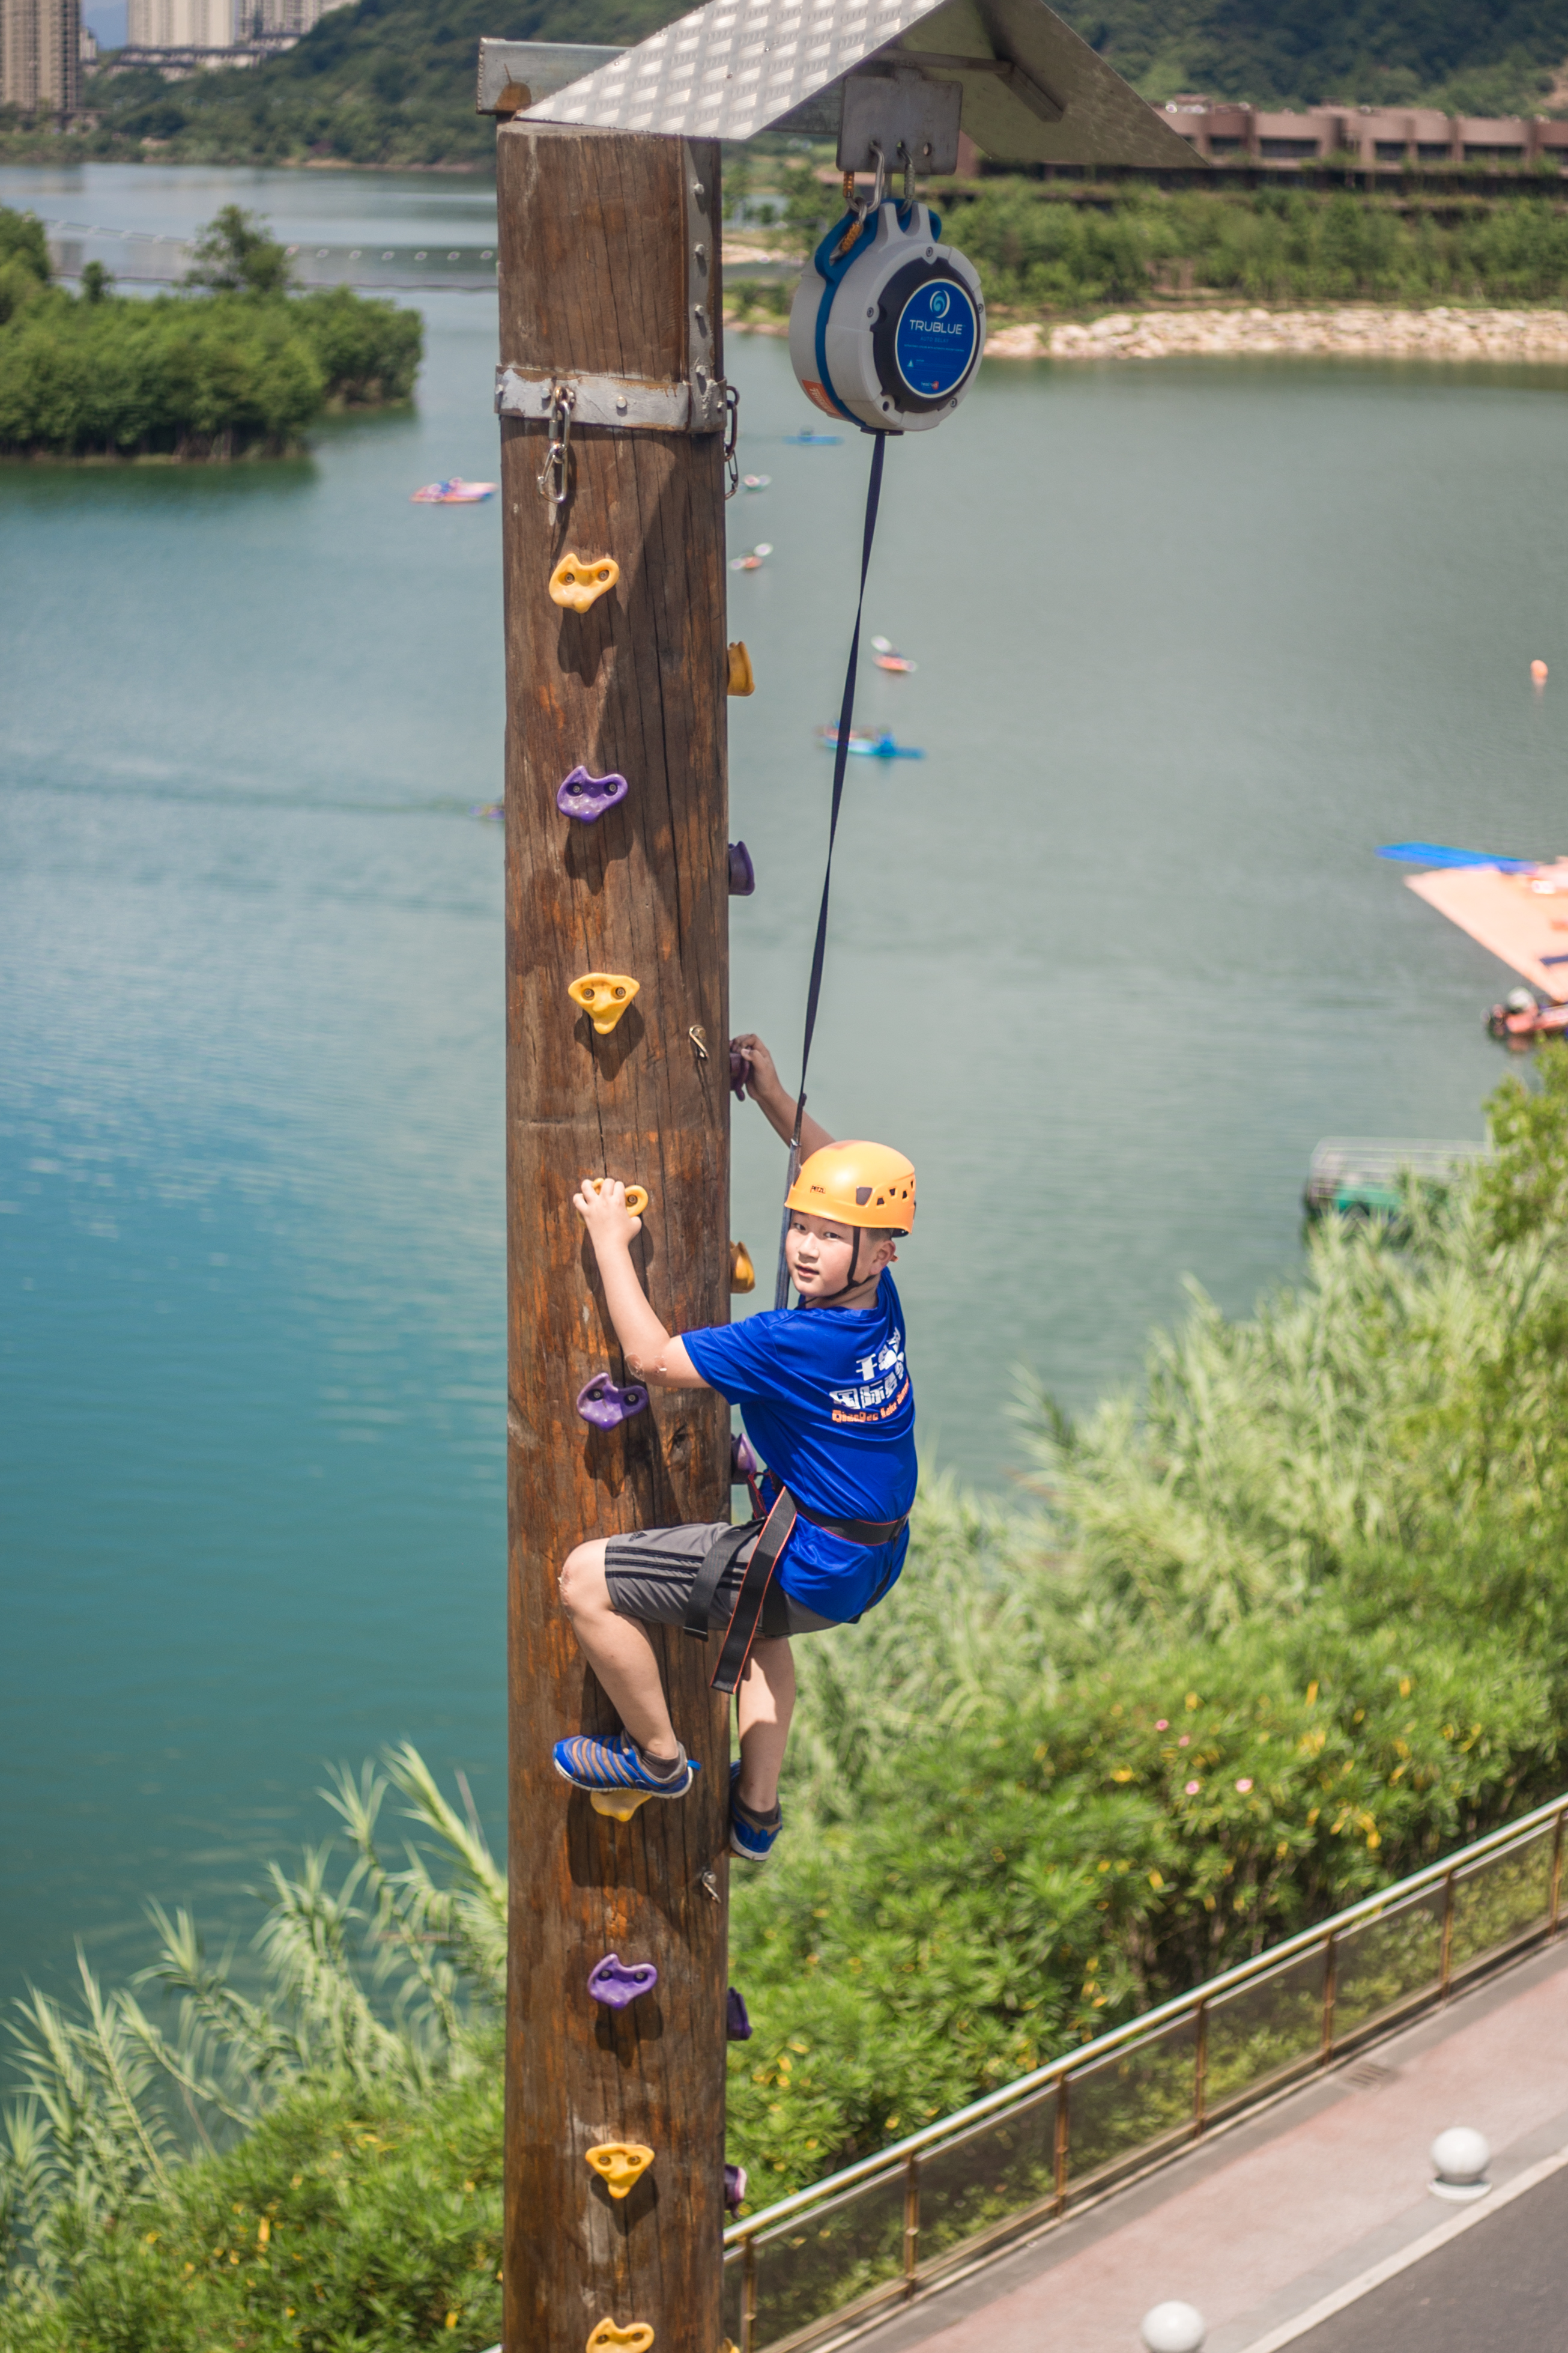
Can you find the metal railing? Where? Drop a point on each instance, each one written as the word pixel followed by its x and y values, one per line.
pixel 832 2258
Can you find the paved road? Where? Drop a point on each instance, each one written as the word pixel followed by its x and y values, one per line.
pixel 1501 2287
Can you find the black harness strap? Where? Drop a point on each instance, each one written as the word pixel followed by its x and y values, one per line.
pixel 841 763
pixel 711 1573
pixel 747 1614
pixel 860 1532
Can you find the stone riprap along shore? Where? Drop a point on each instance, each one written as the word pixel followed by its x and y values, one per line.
pixel 1357 331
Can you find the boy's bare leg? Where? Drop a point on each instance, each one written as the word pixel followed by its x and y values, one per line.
pixel 619 1652
pixel 767 1703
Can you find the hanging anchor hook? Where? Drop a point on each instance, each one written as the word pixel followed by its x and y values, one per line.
pixel 555 475
pixel 732 440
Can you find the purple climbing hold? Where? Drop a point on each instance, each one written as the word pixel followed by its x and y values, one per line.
pixel 734 2187
pixel 737 2025
pixel 587 798
pixel 743 1465
pixel 740 1072
pixel 616 1982
pixel 743 873
pixel 602 1403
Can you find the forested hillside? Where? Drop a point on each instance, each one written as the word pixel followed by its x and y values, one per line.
pixel 391 82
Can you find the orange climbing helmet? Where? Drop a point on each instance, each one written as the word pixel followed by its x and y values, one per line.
pixel 856 1185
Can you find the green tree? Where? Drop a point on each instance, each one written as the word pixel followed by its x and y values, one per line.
pixel 235 254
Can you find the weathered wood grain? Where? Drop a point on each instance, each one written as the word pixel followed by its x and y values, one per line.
pixel 593 252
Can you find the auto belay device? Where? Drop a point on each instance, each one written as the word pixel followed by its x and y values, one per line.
pixel 887 323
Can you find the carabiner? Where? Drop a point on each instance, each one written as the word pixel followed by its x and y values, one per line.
pixel 554 480
pixel 732 440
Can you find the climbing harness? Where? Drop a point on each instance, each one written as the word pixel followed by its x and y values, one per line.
pixel 771 1536
pixel 887 323
pixel 840 764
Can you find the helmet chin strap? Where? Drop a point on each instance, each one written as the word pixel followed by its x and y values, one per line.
pixel 825 1298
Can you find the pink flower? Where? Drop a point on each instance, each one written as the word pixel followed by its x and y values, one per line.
pixel 1192 1788
pixel 1243 1786
pixel 1161 1723
pixel 1184 1741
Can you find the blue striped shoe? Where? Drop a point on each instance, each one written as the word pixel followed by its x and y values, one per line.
pixel 615 1764
pixel 751 1835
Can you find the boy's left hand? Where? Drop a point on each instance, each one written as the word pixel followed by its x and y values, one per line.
pixel 605 1212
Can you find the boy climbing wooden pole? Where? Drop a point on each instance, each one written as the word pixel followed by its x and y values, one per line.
pixel 828 1402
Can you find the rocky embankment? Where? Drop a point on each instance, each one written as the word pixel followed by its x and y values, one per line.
pixel 1362 331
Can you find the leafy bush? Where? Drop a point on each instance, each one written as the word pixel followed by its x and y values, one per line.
pixel 1284 1628
pixel 241 366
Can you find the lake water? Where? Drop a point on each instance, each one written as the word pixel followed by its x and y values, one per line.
pixel 1192 641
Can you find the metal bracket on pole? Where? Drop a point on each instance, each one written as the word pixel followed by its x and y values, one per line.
pixel 627 404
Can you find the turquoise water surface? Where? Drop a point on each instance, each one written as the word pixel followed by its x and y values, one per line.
pixel 1193 639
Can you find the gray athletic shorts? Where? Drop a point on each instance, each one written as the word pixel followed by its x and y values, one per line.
pixel 650 1575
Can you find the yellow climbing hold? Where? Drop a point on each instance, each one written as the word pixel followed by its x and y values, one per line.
pixel 742 679
pixel 636 1195
pixel 604 995
pixel 579 583
pixel 620 2164
pixel 618 1805
pixel 742 1273
pixel 610 2337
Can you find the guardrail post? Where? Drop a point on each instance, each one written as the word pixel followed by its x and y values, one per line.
pixel 749 2297
pixel 1330 1955
pixel 1443 1970
pixel 1556 1872
pixel 911 2220
pixel 1200 2068
pixel 1061 2151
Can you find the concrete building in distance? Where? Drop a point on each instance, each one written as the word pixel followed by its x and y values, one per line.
pixel 179 24
pixel 40 56
pixel 191 33
pixel 1389 139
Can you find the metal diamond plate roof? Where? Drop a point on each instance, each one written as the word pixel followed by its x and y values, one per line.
pixel 1033 91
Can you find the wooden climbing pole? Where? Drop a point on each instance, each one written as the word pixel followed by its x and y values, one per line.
pixel 609 269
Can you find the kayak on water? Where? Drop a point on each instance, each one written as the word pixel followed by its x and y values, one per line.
pixel 453 493
pixel 812 440
pixel 870 748
pixel 888 656
pixel 755 561
pixel 755 482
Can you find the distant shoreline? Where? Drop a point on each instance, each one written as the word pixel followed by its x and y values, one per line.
pixel 1348 331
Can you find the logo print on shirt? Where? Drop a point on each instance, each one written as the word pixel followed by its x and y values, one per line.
pixel 888 1362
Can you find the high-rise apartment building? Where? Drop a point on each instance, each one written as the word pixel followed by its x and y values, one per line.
pixel 179 24
pixel 219 24
pixel 40 55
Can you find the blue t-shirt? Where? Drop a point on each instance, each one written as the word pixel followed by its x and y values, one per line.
pixel 829 1405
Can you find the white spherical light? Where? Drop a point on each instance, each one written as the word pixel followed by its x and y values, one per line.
pixel 1172 2328
pixel 1460 2156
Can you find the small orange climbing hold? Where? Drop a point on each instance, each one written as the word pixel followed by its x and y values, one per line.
pixel 580 583
pixel 620 2164
pixel 604 997
pixel 611 2337
pixel 636 1195
pixel 1537 671
pixel 742 1273
pixel 742 678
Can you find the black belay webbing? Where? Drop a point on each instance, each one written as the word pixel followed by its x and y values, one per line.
pixel 747 1615
pixel 770 1535
pixel 840 762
